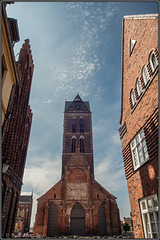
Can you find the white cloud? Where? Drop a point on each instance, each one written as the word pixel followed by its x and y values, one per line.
pixel 116 138
pixel 110 173
pixel 100 126
pixel 42 175
pixel 48 101
pixel 82 61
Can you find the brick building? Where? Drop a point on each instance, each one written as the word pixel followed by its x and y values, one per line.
pixel 15 130
pixel 139 120
pixel 10 35
pixel 77 204
pixel 24 214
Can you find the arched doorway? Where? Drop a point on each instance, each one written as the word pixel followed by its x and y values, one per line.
pixel 77 218
pixel 52 220
pixel 102 220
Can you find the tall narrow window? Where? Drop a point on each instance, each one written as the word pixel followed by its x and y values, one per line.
pixel 139 150
pixel 73 124
pixel 81 123
pixel 133 97
pixel 139 87
pixel 145 75
pixel 149 212
pixel 82 144
pixel 73 144
pixel 153 61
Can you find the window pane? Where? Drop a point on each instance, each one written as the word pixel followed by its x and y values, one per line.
pixel 143 205
pixel 155 201
pixel 142 135
pixel 146 156
pixel 135 158
pixel 155 235
pixel 147 224
pixel 151 217
pixel 153 226
pixel 133 144
pixel 137 139
pixel 157 216
pixel 141 159
pixel 149 201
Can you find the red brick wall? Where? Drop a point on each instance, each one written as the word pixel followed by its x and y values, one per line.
pixel 143 181
pixel 15 135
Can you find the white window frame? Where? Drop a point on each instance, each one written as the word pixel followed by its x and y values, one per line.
pixel 146 211
pixel 152 63
pixel 139 150
pixel 133 97
pixel 139 87
pixel 145 75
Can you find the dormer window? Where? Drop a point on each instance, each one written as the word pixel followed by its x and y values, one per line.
pixel 81 123
pixel 145 75
pixel 133 97
pixel 153 61
pixel 138 87
pixel 74 125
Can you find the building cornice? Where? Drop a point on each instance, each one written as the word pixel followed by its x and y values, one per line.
pixel 143 16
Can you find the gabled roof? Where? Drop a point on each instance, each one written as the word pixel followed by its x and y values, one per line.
pixel 77 99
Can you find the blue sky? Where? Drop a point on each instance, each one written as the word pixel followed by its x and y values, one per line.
pixel 76 47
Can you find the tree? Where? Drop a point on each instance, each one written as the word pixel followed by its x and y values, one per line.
pixel 126 227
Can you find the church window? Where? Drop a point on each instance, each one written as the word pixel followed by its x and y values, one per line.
pixel 133 97
pixel 74 125
pixel 97 195
pixel 81 122
pixel 153 61
pixel 54 195
pixel 149 212
pixel 73 144
pixel 139 87
pixel 145 75
pixel 139 150
pixel 82 144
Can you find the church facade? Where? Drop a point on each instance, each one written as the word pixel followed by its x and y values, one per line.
pixel 77 204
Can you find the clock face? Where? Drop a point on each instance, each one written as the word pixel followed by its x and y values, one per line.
pixel 78 107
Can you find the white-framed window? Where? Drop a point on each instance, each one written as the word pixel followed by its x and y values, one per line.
pixel 153 61
pixel 145 74
pixel 139 150
pixel 139 87
pixel 149 212
pixel 133 97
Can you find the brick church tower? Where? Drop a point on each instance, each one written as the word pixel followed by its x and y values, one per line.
pixel 77 204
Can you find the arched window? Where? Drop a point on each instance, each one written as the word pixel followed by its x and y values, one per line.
pixel 139 87
pixel 81 123
pixel 133 97
pixel 82 144
pixel 77 220
pixel 52 220
pixel 73 144
pixel 145 74
pixel 153 61
pixel 73 124
pixel 102 220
